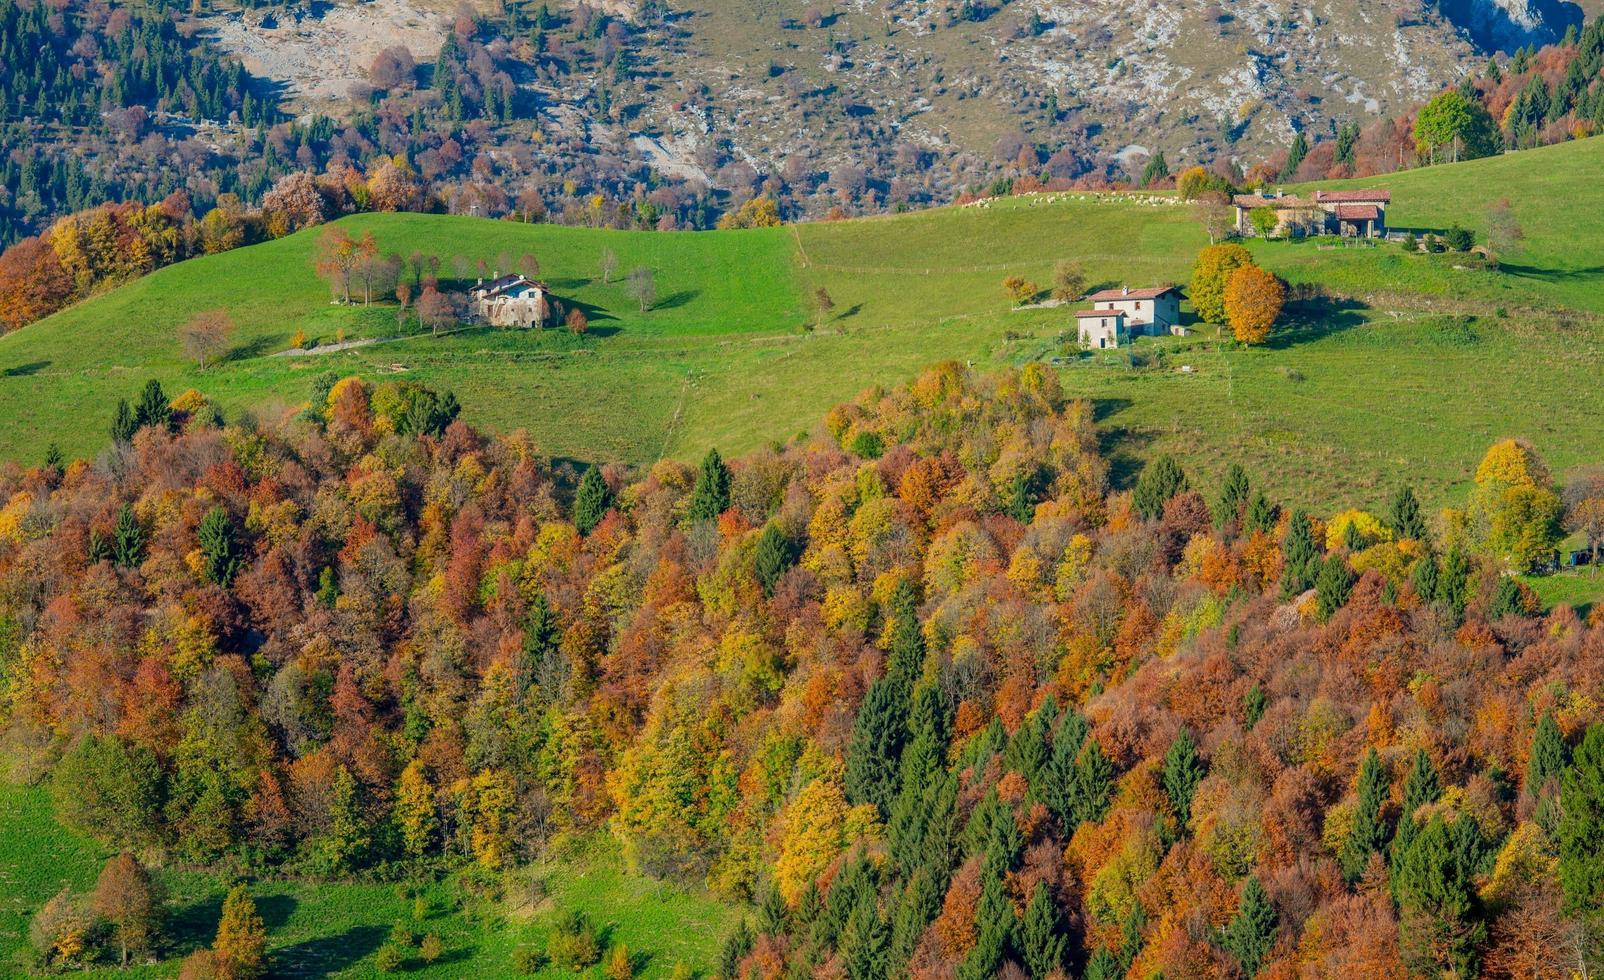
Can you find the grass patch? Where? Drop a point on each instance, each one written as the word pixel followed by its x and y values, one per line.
pixel 318 929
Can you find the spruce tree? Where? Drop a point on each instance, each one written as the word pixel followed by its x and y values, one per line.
pixel 1183 770
pixel 591 500
pixel 710 497
pixel 1333 587
pixel 1103 965
pixel 1295 154
pixel 1424 578
pixel 1581 825
pixel 920 904
pixel 994 927
pixel 874 751
pixel 1421 787
pixel 773 917
pixel 1251 932
pixel 1440 929
pixel 1404 517
pixel 123 425
pixel 734 950
pixel 1549 756
pixel 1161 479
pixel 1260 516
pixel 866 940
pixel 1369 832
pixel 1233 496
pixel 772 557
pixel 1041 939
pixel 1300 556
pixel 53 457
pixel 153 411
pixel 1453 585
pixel 128 539
pixel 1092 788
pixel 221 552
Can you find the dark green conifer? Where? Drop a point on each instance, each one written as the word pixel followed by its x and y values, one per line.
pixel 1233 496
pixel 591 500
pixel 710 497
pixel 1369 832
pixel 1261 515
pixel 1161 479
pixel 1300 556
pixel 1580 828
pixel 772 557
pixel 154 410
pixel 1333 587
pixel 1183 770
pixel 123 425
pixel 1253 706
pixel 1549 756
pixel 1405 518
pixel 219 548
pixel 1424 578
pixel 1041 937
pixel 128 539
pixel 1251 932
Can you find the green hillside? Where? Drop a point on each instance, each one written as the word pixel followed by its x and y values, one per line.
pixel 1424 366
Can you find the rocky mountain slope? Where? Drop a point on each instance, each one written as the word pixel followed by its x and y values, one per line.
pixel 961 83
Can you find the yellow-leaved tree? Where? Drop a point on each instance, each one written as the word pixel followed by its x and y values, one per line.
pixel 1210 274
pixel 818 826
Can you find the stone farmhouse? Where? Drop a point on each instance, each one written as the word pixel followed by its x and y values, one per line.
pixel 1353 214
pixel 513 301
pixel 1119 314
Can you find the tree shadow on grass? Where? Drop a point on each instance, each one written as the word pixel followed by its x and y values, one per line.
pixel 193 926
pixel 675 300
pixel 1309 320
pixel 1121 445
pixel 1551 275
pixel 254 348
pixel 327 955
pixel 24 370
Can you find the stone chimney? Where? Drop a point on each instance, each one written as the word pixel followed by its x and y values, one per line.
pixel 1124 290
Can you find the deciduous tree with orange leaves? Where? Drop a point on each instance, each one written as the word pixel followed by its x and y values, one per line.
pixel 1253 301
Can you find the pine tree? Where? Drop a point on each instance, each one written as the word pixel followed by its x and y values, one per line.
pixel 53 457
pixel 1549 756
pixel 1161 479
pixel 591 500
pixel 1091 788
pixel 735 949
pixel 1581 825
pixel 218 547
pixel 710 497
pixel 241 943
pixel 1041 940
pixel 1103 965
pixel 1251 932
pixel 1333 587
pixel 1233 495
pixel 128 539
pixel 874 752
pixel 1300 556
pixel 773 918
pixel 772 557
pixel 153 411
pixel 123 425
pixel 1295 154
pixel 1453 585
pixel 1369 832
pixel 1404 517
pixel 1183 770
pixel 1422 786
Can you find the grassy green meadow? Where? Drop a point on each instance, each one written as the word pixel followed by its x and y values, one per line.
pixel 1411 379
pixel 334 929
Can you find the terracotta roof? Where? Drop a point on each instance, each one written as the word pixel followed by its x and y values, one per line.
pixel 1151 292
pixel 1286 202
pixel 1353 197
pixel 1357 212
pixel 1085 314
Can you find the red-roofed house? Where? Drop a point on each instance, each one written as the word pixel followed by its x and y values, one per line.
pixel 1358 213
pixel 1154 310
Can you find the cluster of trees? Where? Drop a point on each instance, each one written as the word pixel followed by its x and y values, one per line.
pixel 1228 288
pixel 86 81
pixel 921 685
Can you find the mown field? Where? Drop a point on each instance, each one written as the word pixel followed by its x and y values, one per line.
pixel 334 930
pixel 1411 381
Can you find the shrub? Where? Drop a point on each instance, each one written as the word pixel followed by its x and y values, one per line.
pixel 527 960
pixel 388 959
pixel 431 949
pixel 619 965
pixel 573 945
pixel 298 340
pixel 1458 239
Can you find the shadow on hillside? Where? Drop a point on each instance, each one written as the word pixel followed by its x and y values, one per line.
pixel 676 300
pixel 573 282
pixel 327 955
pixel 24 370
pixel 1551 275
pixel 276 910
pixel 1121 445
pixel 255 348
pixel 1314 319
pixel 193 926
